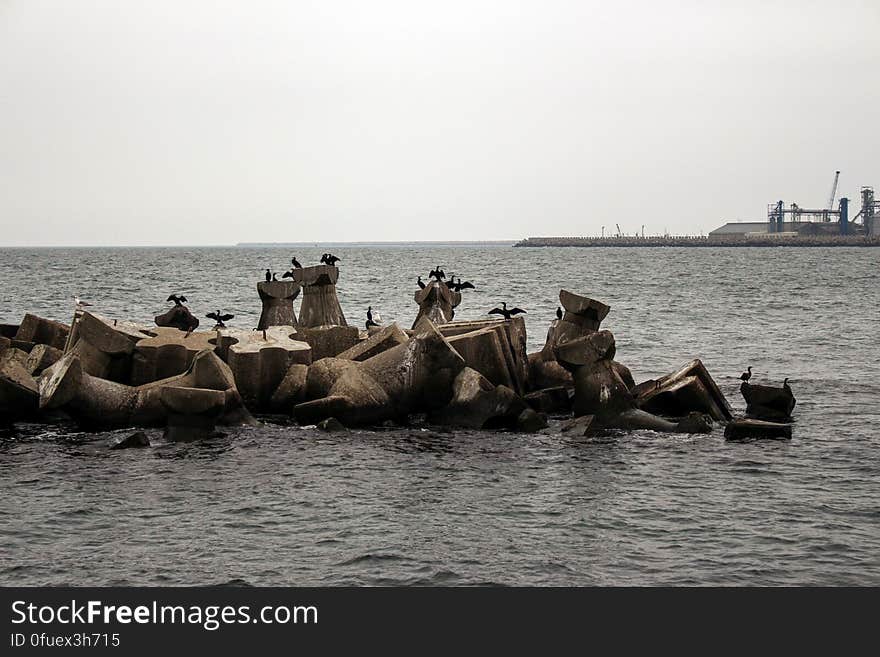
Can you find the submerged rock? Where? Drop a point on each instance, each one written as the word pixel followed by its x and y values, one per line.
pixel 137 439
pixel 743 428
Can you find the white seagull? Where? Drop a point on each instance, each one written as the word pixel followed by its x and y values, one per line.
pixel 79 302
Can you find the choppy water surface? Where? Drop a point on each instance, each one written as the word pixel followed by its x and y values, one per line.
pixel 292 506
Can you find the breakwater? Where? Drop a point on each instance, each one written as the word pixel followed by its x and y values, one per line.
pixel 685 240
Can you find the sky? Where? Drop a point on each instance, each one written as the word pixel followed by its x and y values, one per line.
pixel 190 123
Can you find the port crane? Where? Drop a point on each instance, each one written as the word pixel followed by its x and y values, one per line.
pixel 833 191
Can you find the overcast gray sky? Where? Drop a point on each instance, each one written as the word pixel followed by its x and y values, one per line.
pixel 217 122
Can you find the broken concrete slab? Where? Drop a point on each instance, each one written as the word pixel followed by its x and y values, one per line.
pixel 277 298
pixel 503 360
pixel 19 395
pixel 41 357
pixel 42 331
pixel 689 388
pixel 476 403
pixel 381 340
pixel 105 346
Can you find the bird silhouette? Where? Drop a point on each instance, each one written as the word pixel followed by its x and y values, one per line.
pixel 329 259
pixel 274 277
pixel 505 312
pixel 287 274
pixel 218 317
pixel 745 376
pixel 420 283
pixel 437 273
pixel 178 300
pixel 459 286
pixel 785 386
pixel 295 263
pixel 558 312
pixel 370 321
pixel 268 275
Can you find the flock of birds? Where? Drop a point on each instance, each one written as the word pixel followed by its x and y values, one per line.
pixel 747 375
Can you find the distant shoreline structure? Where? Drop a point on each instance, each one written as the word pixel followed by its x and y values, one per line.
pixel 253 245
pixel 700 241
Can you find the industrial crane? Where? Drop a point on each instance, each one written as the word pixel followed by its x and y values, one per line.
pixel 833 191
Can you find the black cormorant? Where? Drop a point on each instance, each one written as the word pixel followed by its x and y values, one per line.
pixel 745 376
pixel 178 300
pixel 504 312
pixel 219 318
pixel 420 283
pixel 558 312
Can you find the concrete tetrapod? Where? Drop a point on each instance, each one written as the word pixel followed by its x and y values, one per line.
pixel 413 377
pixel 192 412
pixel 98 402
pixel 169 351
pixel 105 347
pixel 18 389
pixel 436 303
pixel 688 389
pixel 601 392
pixel 277 298
pixel 38 330
pixel 178 317
pixel 320 305
pixel 495 348
pixel 768 402
pixel 259 364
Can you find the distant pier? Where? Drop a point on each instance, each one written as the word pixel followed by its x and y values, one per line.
pixel 691 241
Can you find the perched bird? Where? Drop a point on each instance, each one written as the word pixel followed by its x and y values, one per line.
pixel 504 312
pixel 745 376
pixel 420 283
pixel 295 263
pixel 329 259
pixel 437 273
pixel 785 386
pixel 274 277
pixel 178 300
pixel 558 312
pixel 268 275
pixel 219 318
pixel 288 274
pixel 451 282
pixel 459 286
pixel 370 320
pixel 79 302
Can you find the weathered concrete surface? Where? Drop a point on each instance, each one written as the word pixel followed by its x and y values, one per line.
pixel 42 331
pixel 328 341
pixel 478 404
pixel 18 389
pixel 8 330
pixel 579 426
pixel 41 357
pixel 277 298
pixel 260 364
pixel 502 359
pixel 582 317
pixel 555 400
pixel 291 391
pixel 600 391
pixel 382 339
pixel 320 305
pixel 412 377
pixel 742 428
pixel 99 402
pixel 105 346
pixel 168 352
pixel 689 388
pixel 768 402
pixel 177 317
pixel 192 413
pixel 436 303
pixel 5 343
